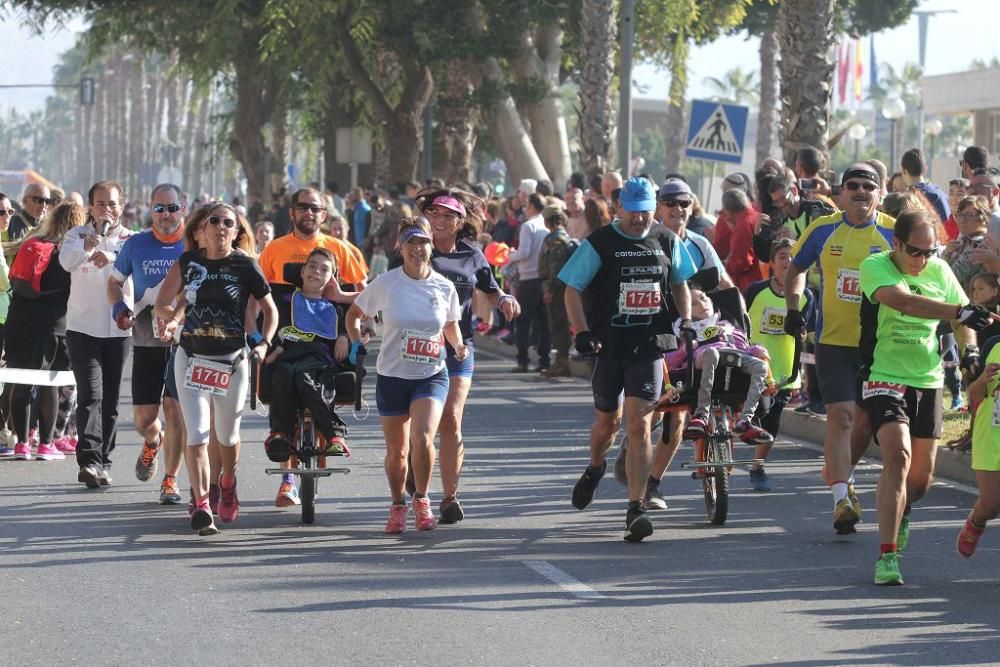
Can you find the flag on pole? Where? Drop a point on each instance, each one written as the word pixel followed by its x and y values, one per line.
pixel 873 68
pixel 843 69
pixel 859 71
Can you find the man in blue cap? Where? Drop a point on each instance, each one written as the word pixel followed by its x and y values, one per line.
pixel 617 287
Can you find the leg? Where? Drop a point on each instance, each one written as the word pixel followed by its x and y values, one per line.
pixel 173 438
pixel 452 454
pixel 669 441
pixel 602 435
pixel 425 414
pixel 987 507
pixel 147 422
pixel 84 360
pixel 894 440
pixel 638 416
pixel 115 351
pixel 861 435
pixel 396 430
pixel 707 361
pixel 522 325
pixel 836 444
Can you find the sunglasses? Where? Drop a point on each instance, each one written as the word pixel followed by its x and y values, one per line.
pixel 228 223
pixel 671 203
pixel 41 200
pixel 914 251
pixel 309 207
pixel 865 185
pixel 6 212
pixel 166 208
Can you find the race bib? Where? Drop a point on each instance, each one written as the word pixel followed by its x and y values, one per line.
pixel 773 321
pixel 996 411
pixel 870 389
pixel 207 375
pixel 848 285
pixel 422 347
pixel 640 299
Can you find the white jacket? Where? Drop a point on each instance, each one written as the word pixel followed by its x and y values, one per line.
pixel 88 311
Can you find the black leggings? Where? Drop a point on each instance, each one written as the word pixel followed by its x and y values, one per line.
pixel 40 352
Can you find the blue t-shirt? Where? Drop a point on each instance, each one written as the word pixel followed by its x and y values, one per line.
pixel 584 264
pixel 146 260
pixel 937 197
pixel 360 221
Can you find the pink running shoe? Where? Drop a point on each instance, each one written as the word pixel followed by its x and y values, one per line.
pixel 423 517
pixel 397 519
pixel 22 451
pixel 968 538
pixel 66 445
pixel 213 498
pixel 202 521
pixel 229 503
pixel 47 452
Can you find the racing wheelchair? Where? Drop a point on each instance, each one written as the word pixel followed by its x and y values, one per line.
pixel 309 453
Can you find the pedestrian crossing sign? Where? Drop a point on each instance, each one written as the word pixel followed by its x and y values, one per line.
pixel 716 131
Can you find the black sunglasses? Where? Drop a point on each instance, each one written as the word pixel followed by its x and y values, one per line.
pixel 671 203
pixel 166 208
pixel 854 185
pixel 229 223
pixel 914 251
pixel 309 207
pixel 41 200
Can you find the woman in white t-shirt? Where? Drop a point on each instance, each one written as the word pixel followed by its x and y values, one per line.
pixel 420 309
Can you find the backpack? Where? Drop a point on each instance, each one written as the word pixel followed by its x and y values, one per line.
pixel 30 263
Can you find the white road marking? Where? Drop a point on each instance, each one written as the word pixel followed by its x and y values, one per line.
pixel 563 580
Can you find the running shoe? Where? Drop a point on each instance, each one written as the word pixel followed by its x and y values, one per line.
pixel 229 503
pixel 213 498
pixel 397 519
pixel 22 451
pixel 637 524
pixel 583 492
pixel 845 516
pixel 956 402
pixel 802 410
pixel 66 444
pixel 620 468
pixel 47 452
pixel 278 447
pixel 887 570
pixel 968 538
pixel 816 409
pixel 5 450
pixel 288 495
pixel 752 434
pixel 337 446
pixel 169 495
pixel 653 499
pixel 145 465
pixel 90 475
pixel 423 517
pixel 853 495
pixel 759 480
pixel 202 521
pixel 696 428
pixel 903 536
pixel 105 476
pixel 450 511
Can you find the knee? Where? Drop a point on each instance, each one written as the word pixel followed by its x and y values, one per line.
pixel 897 458
pixel 920 484
pixel 838 420
pixel 450 424
pixel 608 422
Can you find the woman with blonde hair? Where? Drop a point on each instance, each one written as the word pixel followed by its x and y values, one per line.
pixel 36 329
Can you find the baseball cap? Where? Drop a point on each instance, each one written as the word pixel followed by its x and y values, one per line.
pixel 673 188
pixel 527 186
pixel 637 195
pixel 413 231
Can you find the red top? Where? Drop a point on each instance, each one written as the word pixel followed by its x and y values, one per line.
pixel 951 228
pixel 741 263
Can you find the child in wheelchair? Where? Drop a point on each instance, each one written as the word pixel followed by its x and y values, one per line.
pixel 718 339
pixel 301 369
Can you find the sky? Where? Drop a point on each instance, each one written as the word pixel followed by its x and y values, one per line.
pixel 953 41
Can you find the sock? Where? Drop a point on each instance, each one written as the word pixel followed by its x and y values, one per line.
pixel 976 525
pixel 888 548
pixel 419 495
pixel 652 481
pixel 839 489
pixel 288 478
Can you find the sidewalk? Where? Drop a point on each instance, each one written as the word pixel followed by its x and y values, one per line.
pixel 953 466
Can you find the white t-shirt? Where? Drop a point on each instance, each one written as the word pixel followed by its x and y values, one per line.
pixel 413 314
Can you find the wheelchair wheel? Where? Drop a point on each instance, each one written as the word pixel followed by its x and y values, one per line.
pixel 718 449
pixel 307 493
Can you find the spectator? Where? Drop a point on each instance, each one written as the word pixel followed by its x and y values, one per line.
pixel 576 226
pixel 544 188
pixel 595 212
pixel 896 183
pixel 576 180
pixel 596 187
pixel 958 189
pixel 700 222
pixel 360 218
pixel 533 324
pixel 974 157
pixel 556 250
pixel 263 233
pixel 740 217
pixel 982 184
pixel 35 201
pixel 883 174
pixel 914 168
pixel 723 232
pixel 609 182
pixel 973 220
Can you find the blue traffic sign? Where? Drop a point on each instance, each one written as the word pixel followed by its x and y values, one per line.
pixel 716 131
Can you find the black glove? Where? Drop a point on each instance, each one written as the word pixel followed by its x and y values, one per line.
pixel 974 317
pixel 794 324
pixel 970 360
pixel 586 343
pixel 687 329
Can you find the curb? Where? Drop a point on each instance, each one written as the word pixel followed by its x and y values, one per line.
pixel 953 466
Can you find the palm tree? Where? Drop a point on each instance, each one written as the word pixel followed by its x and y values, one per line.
pixel 737 86
pixel 597 64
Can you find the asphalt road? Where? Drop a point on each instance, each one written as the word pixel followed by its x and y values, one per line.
pixel 110 577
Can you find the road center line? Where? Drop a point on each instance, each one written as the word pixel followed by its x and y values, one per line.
pixel 564 581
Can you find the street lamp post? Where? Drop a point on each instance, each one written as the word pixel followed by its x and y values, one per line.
pixel 857 133
pixel 933 129
pixel 893 109
pixel 923 17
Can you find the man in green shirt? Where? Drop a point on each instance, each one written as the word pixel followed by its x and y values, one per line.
pixel 906 291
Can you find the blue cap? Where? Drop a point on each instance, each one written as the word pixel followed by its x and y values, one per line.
pixel 638 195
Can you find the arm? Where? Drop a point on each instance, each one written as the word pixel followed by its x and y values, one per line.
pixel 977 390
pixel 525 238
pixel 169 290
pixel 574 309
pixel 682 299
pixel 741 257
pixel 334 293
pixel 76 250
pixel 353 325
pixel 916 306
pixel 454 336
pixel 795 285
pixel 270 312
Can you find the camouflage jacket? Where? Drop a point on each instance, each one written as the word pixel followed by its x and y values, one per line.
pixel 556 249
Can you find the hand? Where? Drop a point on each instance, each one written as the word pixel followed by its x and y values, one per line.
pixel 687 329
pixel 91 241
pixel 952 247
pixel 509 306
pixel 341 348
pixel 260 351
pixel 332 291
pixel 586 343
pixel 356 349
pixel 100 259
pixel 124 317
pixel 367 330
pixel 168 329
pixel 546 297
pixel 974 317
pixel 821 187
pixel 985 256
pixel 795 325
pixel 970 360
pixel 763 220
pixel 671 395
pixel 461 352
pixel 989 372
pixel 275 353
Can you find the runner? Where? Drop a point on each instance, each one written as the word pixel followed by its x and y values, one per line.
pixel 308 213
pixel 211 367
pixel 838 243
pixel 616 284
pixel 456 220
pixel 906 291
pixel 420 310
pixel 146 258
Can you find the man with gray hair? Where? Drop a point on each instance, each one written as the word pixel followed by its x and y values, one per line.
pixel 35 202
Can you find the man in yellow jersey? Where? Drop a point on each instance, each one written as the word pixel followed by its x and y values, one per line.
pixel 906 291
pixel 837 244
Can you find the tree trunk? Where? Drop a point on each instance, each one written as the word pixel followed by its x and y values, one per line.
pixel 137 126
pixel 676 130
pixel 805 37
pixel 196 178
pixel 768 93
pixel 187 152
pixel 279 144
pixel 175 112
pixel 256 94
pixel 596 126
pixel 458 125
pixel 509 134
pixel 539 61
